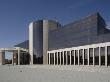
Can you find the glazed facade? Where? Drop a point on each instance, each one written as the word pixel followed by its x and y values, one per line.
pixel 46 36
pixel 90 30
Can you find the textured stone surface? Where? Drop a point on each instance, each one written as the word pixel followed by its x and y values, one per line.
pixel 54 74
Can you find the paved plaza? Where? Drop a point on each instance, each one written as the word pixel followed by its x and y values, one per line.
pixel 46 73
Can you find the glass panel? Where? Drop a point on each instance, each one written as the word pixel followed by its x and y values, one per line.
pixel 102 53
pixel 64 57
pixel 108 58
pixel 85 56
pixel 96 54
pixel 81 57
pixel 72 57
pixel 91 56
pixel 68 57
pixel 76 57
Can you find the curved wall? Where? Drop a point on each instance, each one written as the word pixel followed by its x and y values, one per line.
pixel 38 39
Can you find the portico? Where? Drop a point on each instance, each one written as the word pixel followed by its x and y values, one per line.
pixel 94 54
pixel 16 55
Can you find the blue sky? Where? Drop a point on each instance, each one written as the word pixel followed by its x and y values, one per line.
pixel 15 15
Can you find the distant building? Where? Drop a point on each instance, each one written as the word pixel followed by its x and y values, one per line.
pixel 24 44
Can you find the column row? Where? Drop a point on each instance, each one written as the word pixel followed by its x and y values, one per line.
pixel 14 57
pixel 88 56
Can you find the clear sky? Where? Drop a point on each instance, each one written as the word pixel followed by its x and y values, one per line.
pixel 15 15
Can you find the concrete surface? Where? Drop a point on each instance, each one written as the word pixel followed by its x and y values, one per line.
pixel 45 73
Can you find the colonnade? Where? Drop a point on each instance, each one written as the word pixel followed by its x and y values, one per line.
pixel 95 54
pixel 16 54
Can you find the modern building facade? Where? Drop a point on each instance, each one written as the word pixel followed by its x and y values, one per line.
pixel 83 42
pixel 38 40
pixel 49 39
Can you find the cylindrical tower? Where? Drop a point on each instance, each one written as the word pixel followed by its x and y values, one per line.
pixel 38 40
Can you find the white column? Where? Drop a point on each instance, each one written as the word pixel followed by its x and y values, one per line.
pixel 78 57
pixel 88 55
pixel 31 42
pixel 83 56
pixel 60 58
pixel 93 58
pixel 99 57
pixel 70 57
pixel 106 56
pixel 54 58
pixel 2 57
pixel 49 58
pixel 19 56
pixel 63 57
pixel 74 57
pixel 66 58
pixel 57 58
pixel 13 58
